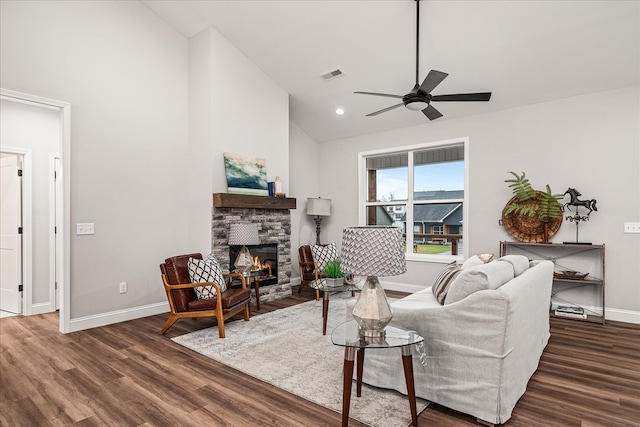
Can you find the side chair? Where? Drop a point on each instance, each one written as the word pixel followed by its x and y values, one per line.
pixel 184 303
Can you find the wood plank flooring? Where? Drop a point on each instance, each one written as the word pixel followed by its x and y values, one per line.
pixel 128 375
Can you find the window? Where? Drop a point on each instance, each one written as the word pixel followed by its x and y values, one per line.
pixel 423 186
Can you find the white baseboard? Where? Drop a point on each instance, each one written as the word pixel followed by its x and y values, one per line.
pixel 118 316
pixel 618 315
pixel 402 287
pixel 295 281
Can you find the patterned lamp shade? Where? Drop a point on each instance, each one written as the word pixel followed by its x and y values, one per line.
pixel 371 252
pixel 244 234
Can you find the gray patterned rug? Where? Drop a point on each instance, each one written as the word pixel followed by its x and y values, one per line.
pixel 286 348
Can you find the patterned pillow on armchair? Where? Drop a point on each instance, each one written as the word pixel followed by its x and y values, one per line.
pixel 322 255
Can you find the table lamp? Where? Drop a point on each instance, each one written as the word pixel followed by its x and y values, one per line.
pixel 318 208
pixel 244 234
pixel 372 251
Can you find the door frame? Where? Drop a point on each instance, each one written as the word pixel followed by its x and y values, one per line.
pixel 64 109
pixel 55 240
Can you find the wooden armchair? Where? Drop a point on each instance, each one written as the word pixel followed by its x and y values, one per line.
pixel 308 268
pixel 184 303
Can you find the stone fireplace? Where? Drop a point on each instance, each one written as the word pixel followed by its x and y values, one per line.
pixel 274 227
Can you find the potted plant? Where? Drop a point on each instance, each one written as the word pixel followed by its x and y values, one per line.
pixel 335 277
pixel 531 215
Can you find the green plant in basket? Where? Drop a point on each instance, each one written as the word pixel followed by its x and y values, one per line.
pixel 332 270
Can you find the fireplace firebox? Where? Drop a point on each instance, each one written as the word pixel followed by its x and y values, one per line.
pixel 265 258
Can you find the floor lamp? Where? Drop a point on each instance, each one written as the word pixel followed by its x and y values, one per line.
pixel 318 208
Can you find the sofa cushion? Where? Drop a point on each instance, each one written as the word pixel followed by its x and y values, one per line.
pixel 520 263
pixel 479 278
pixel 206 270
pixel 323 254
pixel 444 280
pixel 477 259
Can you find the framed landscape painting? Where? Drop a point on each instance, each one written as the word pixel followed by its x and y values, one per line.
pixel 245 175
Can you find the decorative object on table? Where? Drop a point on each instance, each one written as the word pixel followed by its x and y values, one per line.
pixel 318 208
pixel 576 217
pixel 244 234
pixel 570 311
pixel 531 216
pixel 335 276
pixel 372 251
pixel 271 188
pixel 246 175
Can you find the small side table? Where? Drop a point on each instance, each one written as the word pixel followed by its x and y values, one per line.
pixel 347 335
pixel 321 286
pixel 256 276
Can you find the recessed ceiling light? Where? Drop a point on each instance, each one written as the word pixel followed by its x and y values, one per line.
pixel 339 111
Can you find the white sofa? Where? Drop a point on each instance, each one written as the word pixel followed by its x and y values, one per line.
pixel 481 350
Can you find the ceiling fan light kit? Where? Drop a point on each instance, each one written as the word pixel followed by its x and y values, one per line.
pixel 420 98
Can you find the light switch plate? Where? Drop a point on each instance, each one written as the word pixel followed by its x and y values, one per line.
pixel 85 228
pixel 632 227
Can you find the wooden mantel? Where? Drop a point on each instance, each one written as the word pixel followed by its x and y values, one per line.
pixel 227 200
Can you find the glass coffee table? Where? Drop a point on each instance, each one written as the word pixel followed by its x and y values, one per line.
pixel 321 286
pixel 347 335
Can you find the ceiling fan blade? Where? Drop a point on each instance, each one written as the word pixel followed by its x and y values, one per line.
pixel 433 79
pixel 431 112
pixel 380 94
pixel 480 96
pixel 384 110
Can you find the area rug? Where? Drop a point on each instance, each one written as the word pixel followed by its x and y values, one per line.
pixel 286 348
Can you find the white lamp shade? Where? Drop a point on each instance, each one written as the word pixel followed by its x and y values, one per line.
pixel 372 251
pixel 318 207
pixel 244 234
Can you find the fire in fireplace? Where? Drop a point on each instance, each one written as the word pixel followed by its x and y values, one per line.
pixel 265 258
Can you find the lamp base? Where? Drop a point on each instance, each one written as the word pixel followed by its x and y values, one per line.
pixel 244 261
pixel 372 310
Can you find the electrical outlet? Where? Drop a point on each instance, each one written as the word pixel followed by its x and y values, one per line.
pixel 632 227
pixel 123 287
pixel 85 228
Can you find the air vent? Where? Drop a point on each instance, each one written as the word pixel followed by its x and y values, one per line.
pixel 330 75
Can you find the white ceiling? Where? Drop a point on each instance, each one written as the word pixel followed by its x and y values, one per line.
pixel 524 52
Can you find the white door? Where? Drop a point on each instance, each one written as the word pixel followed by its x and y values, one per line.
pixel 10 238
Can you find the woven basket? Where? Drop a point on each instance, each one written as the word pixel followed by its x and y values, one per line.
pixel 529 229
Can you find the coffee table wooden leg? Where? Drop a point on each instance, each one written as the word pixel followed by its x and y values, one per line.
pixel 325 312
pixel 407 363
pixel 359 372
pixel 349 353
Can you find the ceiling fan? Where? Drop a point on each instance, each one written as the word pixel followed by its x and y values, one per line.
pixel 420 97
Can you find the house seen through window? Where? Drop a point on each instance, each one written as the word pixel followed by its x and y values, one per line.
pixel 424 187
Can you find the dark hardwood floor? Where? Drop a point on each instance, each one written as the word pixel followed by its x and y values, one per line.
pixel 128 375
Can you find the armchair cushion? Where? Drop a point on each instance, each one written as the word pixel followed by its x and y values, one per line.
pixel 322 255
pixel 206 270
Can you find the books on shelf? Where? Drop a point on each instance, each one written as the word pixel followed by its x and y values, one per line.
pixel 570 311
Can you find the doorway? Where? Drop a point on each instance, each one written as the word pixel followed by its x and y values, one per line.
pixel 53 279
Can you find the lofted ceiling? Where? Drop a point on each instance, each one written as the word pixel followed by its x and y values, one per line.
pixel 524 52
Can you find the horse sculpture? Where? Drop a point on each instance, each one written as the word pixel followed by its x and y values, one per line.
pixel 573 193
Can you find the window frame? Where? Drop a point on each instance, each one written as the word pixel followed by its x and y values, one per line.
pixel 363 204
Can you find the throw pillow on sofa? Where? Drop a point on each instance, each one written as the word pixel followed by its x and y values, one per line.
pixel 206 270
pixel 444 280
pixel 479 278
pixel 478 259
pixel 520 263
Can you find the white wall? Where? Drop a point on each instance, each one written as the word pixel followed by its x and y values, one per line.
pixel 234 107
pixel 37 129
pixel 125 73
pixel 589 142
